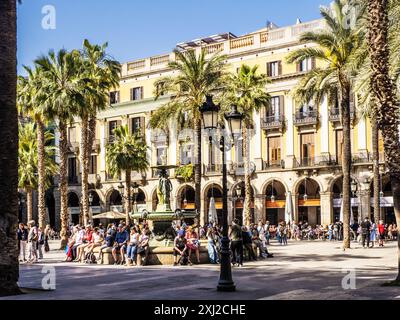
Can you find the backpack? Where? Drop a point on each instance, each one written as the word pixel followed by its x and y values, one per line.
pixel 90 258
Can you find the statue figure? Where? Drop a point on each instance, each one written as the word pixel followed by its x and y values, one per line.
pixel 164 189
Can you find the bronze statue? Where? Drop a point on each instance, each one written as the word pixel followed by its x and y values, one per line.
pixel 164 189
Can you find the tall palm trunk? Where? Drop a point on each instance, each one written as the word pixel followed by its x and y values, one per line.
pixel 128 207
pixel 41 174
pixel 388 107
pixel 247 178
pixel 84 170
pixel 346 160
pixel 197 167
pixel 29 202
pixel 9 272
pixel 63 149
pixel 375 159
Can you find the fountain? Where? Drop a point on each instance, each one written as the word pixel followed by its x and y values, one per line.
pixel 163 217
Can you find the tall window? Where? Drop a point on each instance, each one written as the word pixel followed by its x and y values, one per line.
pixel 72 174
pixel 136 93
pixel 276 107
pixel 305 65
pixel 307 146
pixel 186 153
pixel 114 97
pixel 93 164
pixel 111 127
pixel 274 150
pixel 137 125
pixel 239 150
pixel 161 155
pixel 274 69
pixel 72 134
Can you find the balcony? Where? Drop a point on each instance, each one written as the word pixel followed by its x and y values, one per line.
pixel 275 122
pixel 237 169
pixel 110 177
pixel 321 161
pixel 334 114
pixel 213 169
pixel 361 157
pixel 155 172
pixel 306 118
pixel 274 164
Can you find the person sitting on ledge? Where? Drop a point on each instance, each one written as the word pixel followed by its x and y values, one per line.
pixel 132 247
pixel 193 244
pixel 180 248
pixel 121 240
pixel 109 242
pixel 143 246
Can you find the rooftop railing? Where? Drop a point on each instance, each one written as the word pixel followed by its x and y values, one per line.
pixel 264 38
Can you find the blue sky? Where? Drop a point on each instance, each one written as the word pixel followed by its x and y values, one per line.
pixel 136 29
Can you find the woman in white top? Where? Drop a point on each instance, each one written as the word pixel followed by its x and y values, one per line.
pixel 97 240
pixel 132 247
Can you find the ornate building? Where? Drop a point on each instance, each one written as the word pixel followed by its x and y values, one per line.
pixel 295 149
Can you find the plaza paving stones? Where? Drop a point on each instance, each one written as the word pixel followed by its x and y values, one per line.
pixel 301 270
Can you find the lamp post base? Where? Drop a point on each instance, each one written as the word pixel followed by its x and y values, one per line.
pixel 224 286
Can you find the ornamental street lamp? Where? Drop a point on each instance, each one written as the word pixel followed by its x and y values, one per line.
pixel 90 199
pixel 209 112
pixel 353 187
pixel 272 193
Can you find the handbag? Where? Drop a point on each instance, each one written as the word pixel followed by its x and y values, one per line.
pixel 141 250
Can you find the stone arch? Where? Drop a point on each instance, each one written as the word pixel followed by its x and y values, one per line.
pixel 267 182
pixel 300 181
pixel 96 198
pixel 73 199
pixel 185 197
pixel 214 190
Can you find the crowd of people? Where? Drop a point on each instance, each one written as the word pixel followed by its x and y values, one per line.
pixel 32 241
pixel 129 244
pixel 126 242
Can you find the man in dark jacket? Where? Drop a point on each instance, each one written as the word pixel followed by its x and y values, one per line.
pixel 248 243
pixel 365 232
pixel 22 235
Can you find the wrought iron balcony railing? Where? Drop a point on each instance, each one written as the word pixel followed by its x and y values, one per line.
pixel 304 118
pixel 273 164
pixel 273 122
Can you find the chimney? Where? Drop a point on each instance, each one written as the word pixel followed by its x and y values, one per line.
pixel 298 21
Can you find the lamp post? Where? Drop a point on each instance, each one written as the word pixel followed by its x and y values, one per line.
pixel 135 191
pixel 209 112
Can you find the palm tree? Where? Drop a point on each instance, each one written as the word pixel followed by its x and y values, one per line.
pixel 126 153
pixel 28 162
pixel 30 103
pixel 336 46
pixel 247 90
pixel 384 91
pixel 8 149
pixel 196 78
pixel 103 74
pixel 63 87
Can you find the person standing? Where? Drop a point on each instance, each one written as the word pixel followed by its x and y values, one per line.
pixel 373 234
pixel 365 232
pixel 381 232
pixel 236 243
pixel 22 234
pixel 33 238
pixel 40 243
pixel 47 234
pixel 248 243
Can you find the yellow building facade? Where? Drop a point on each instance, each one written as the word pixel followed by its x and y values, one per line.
pixel 295 151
